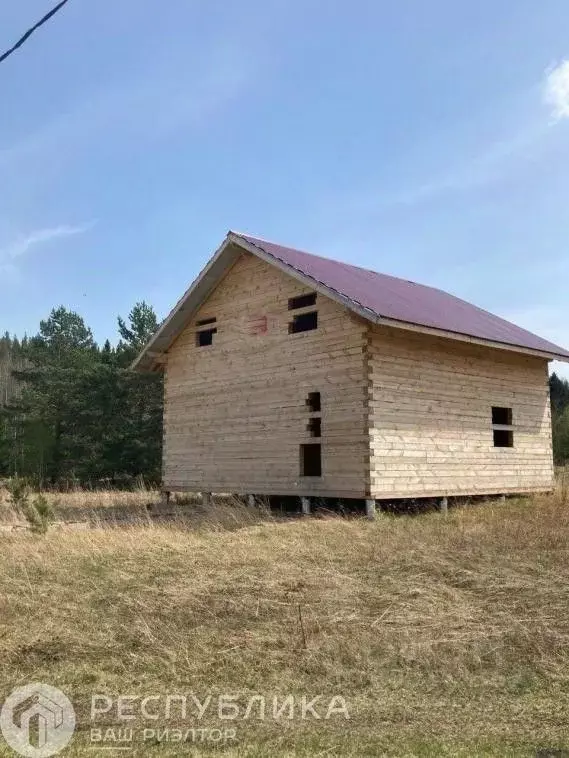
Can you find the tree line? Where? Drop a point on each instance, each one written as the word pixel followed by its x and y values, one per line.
pixel 72 411
pixel 559 391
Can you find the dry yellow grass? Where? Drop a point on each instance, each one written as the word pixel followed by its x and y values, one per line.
pixel 446 636
pixel 85 498
pixel 110 508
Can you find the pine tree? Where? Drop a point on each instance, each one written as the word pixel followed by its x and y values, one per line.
pixel 142 323
pixel 140 436
pixel 559 391
pixel 57 361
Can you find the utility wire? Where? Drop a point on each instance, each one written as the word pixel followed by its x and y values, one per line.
pixel 29 33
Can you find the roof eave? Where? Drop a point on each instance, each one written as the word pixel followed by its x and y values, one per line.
pixel 473 340
pixel 149 358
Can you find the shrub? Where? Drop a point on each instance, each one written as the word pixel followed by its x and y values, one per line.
pixel 37 512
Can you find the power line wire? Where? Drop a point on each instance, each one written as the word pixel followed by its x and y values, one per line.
pixel 29 33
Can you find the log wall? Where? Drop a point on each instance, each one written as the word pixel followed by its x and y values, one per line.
pixel 235 411
pixel 430 403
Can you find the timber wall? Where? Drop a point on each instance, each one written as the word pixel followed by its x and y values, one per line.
pixel 235 412
pixel 430 402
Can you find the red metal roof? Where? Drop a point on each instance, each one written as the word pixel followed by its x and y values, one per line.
pixel 401 300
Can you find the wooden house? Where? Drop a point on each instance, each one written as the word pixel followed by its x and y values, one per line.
pixel 292 374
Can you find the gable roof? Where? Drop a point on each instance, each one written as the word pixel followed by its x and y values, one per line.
pixel 377 297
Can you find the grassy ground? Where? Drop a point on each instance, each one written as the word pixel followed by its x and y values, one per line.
pixel 87 500
pixel 445 636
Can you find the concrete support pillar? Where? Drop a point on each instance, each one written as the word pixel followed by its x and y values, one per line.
pixel 443 505
pixel 502 499
pixel 251 501
pixel 206 498
pixel 370 509
pixel 305 506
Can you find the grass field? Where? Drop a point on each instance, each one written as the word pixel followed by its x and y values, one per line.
pixel 446 636
pixel 87 501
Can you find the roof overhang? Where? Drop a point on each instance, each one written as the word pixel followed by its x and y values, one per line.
pixel 234 245
pixel 181 314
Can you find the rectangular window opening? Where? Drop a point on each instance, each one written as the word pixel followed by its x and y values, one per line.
pixel 205 321
pixel 503 438
pixel 311 460
pixel 205 337
pixel 313 402
pixel 303 322
pixel 501 416
pixel 302 301
pixel 314 426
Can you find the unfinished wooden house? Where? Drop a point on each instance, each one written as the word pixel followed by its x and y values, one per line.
pixel 292 374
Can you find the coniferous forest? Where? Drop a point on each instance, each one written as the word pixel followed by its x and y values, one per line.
pixel 72 412
pixel 559 391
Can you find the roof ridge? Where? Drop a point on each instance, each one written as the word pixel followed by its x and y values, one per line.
pixel 342 263
pixel 327 258
pixel 304 273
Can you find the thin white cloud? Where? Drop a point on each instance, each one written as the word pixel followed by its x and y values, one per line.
pixel 490 163
pixel 478 170
pixel 556 90
pixel 23 243
pixel 165 100
pixel 481 169
pixel 173 95
pixel 129 117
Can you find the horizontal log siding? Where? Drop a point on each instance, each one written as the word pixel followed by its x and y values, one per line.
pixel 235 411
pixel 430 418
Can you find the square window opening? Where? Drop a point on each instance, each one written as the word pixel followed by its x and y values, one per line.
pixel 205 337
pixel 303 322
pixel 311 460
pixel 314 426
pixel 313 402
pixel 302 301
pixel 503 438
pixel 501 416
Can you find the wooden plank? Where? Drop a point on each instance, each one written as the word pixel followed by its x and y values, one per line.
pixel 431 424
pixel 235 411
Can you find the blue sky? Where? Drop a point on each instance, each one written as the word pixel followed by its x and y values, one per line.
pixel 425 140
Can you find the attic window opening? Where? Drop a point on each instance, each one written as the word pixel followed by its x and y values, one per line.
pixel 303 322
pixel 314 427
pixel 502 429
pixel 311 460
pixel 503 438
pixel 502 416
pixel 302 301
pixel 313 402
pixel 205 337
